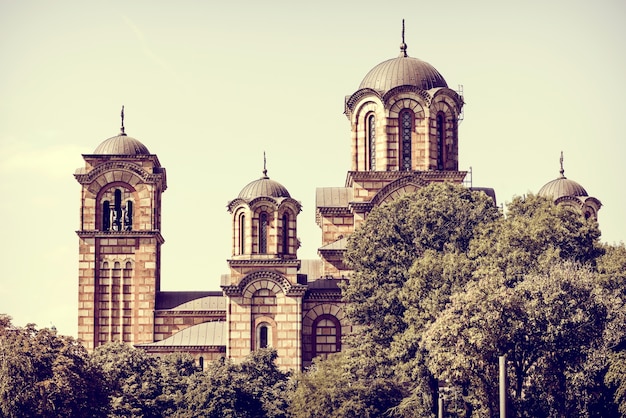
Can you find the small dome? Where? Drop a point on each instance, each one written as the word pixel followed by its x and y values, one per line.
pixel 121 144
pixel 562 187
pixel 403 71
pixel 263 187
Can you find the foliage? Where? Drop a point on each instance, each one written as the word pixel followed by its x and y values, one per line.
pixel 546 325
pixel 46 375
pixel 334 387
pixel 254 388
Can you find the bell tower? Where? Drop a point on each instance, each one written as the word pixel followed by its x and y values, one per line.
pixel 263 290
pixel 119 241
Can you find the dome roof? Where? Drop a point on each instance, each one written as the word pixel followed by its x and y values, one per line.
pixel 403 71
pixel 263 187
pixel 121 144
pixel 562 187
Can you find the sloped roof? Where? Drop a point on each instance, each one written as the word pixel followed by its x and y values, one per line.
pixel 206 334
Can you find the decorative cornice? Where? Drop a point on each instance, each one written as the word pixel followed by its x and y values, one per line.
pixel 423 94
pixel 173 312
pixel 169 348
pixel 314 295
pixel 158 176
pixel 233 262
pixel 121 234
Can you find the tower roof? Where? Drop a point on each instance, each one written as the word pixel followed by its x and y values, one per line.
pixel 263 187
pixel 121 144
pixel 562 186
pixel 403 71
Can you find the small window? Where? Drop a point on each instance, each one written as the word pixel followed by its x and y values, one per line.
pixel 128 216
pixel 117 211
pixel 201 363
pixel 263 335
pixel 263 338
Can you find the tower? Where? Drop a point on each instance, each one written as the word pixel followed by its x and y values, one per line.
pixel 119 241
pixel 404 135
pixel 564 191
pixel 263 290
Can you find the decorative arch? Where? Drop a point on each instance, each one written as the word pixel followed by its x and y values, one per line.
pixel 367 133
pixel 398 188
pixel 275 282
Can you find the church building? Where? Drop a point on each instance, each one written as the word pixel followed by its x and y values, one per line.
pixel 404 135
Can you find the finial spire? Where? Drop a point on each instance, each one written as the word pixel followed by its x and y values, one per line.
pixel 562 171
pixel 403 45
pixel 264 166
pixel 122 115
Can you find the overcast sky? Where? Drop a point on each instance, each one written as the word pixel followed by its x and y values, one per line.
pixel 209 85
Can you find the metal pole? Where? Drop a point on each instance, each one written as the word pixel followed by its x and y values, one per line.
pixel 502 363
pixel 440 406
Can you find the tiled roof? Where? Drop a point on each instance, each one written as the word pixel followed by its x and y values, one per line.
pixel 121 144
pixel 333 196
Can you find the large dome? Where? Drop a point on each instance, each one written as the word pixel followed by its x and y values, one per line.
pixel 263 187
pixel 121 144
pixel 562 187
pixel 403 71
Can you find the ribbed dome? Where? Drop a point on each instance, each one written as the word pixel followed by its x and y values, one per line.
pixel 121 144
pixel 263 187
pixel 403 71
pixel 562 187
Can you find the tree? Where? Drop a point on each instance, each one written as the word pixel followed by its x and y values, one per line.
pixel 441 217
pixel 254 388
pixel 547 325
pixel 132 380
pixel 46 375
pixel 334 387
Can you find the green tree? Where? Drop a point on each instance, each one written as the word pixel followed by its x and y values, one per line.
pixel 254 388
pixel 335 387
pixel 43 374
pixel 132 379
pixel 408 258
pixel 547 325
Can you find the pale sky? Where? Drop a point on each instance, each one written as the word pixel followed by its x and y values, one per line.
pixel 208 86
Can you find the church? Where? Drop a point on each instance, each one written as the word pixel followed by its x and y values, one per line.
pixel 404 135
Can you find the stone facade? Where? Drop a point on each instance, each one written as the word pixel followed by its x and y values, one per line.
pixel 404 135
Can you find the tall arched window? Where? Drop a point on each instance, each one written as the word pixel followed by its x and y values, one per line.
pixel 128 216
pixel 327 336
pixel 441 135
pixel 263 228
pixel 406 129
pixel 242 233
pixel 371 142
pixel 285 237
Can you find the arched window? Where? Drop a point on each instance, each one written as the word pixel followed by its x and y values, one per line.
pixel 285 237
pixel 106 216
pixel 201 363
pixel 406 129
pixel 242 233
pixel 263 335
pixel 263 229
pixel 441 135
pixel 371 142
pixel 326 335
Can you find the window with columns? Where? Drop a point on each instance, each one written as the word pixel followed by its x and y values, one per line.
pixel 285 234
pixel 263 231
pixel 242 233
pixel 117 211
